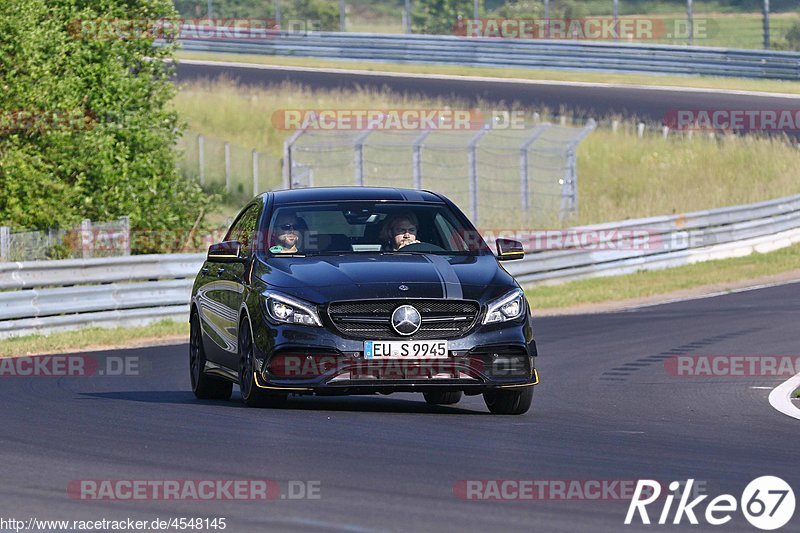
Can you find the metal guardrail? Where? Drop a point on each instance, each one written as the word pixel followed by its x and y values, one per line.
pixel 44 296
pixel 525 53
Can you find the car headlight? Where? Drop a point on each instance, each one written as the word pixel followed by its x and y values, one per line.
pixel 290 311
pixel 506 308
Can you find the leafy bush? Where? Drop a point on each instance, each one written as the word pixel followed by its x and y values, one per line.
pixel 440 17
pixel 85 128
pixel 793 36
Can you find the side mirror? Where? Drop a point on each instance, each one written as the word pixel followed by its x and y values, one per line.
pixel 508 249
pixel 225 252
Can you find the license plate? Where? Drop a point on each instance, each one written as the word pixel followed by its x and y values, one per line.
pixel 405 349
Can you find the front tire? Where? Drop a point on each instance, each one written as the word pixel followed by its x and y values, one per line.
pixel 204 386
pixel 252 396
pixel 506 402
pixel 443 398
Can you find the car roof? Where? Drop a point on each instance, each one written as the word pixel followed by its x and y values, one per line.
pixel 327 194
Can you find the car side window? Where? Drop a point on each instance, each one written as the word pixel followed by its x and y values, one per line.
pixel 243 230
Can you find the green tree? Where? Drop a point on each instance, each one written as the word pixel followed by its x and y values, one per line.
pixel 85 125
pixel 440 16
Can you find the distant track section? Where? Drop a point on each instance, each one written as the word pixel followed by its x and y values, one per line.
pixel 650 104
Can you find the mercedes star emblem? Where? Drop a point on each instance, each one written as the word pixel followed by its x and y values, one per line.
pixel 406 320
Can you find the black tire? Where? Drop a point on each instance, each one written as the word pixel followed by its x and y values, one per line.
pixel 204 386
pixel 443 398
pixel 252 396
pixel 506 402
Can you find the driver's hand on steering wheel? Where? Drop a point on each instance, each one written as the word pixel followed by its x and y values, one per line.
pixel 406 243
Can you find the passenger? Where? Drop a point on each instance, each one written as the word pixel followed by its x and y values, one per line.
pixel 287 234
pixel 399 230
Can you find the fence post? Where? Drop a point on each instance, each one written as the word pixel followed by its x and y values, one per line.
pixel 766 24
pixel 87 239
pixel 690 18
pixel 126 232
pixel 407 16
pixel 416 158
pixel 255 173
pixel 359 156
pixel 278 13
pixel 200 158
pixel 288 164
pixel 227 168
pixel 523 163
pixel 616 20
pixel 5 244
pixel 472 160
pixel 569 189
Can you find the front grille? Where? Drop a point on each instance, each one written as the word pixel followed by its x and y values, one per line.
pixel 371 319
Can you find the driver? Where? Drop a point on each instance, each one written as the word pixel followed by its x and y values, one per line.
pixel 399 230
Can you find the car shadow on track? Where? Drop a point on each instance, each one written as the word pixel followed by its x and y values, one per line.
pixel 363 403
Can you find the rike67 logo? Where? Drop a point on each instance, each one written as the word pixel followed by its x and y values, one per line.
pixel 767 503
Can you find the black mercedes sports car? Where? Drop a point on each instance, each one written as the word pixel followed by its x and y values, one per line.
pixel 359 290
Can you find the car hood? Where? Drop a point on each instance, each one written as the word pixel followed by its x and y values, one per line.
pixel 345 277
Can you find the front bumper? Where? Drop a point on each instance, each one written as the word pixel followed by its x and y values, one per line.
pixel 325 363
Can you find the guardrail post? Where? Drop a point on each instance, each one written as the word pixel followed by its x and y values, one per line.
pixel 201 159
pixel 690 19
pixel 87 239
pixel 472 164
pixel 255 173
pixel 407 16
pixel 5 243
pixel 766 24
pixel 342 16
pixel 227 168
pixel 416 159
pixel 278 12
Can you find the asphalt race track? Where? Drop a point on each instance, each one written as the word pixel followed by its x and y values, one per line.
pixel 606 410
pixel 647 104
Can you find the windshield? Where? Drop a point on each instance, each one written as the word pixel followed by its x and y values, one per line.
pixel 370 227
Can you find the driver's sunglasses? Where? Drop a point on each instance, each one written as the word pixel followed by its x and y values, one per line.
pixel 288 227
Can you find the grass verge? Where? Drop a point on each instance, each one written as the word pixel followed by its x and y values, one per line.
pixel 649 79
pixel 661 282
pixel 94 338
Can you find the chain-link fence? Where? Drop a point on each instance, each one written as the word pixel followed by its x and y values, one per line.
pixel 521 177
pixel 90 239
